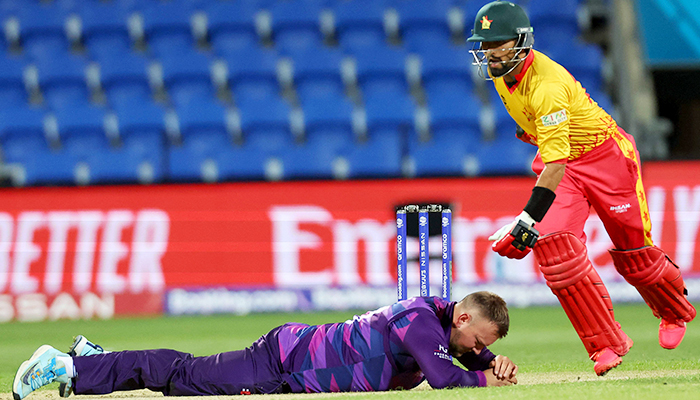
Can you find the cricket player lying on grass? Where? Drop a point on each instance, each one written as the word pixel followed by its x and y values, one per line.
pixel 394 347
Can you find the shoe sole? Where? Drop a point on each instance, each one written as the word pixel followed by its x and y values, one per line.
pixel 23 370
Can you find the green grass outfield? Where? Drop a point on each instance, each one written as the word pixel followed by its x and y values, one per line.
pixel 553 363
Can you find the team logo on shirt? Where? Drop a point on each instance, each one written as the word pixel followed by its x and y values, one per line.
pixel 442 352
pixel 555 118
pixel 486 22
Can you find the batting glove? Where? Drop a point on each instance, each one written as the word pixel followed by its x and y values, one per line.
pixel 516 239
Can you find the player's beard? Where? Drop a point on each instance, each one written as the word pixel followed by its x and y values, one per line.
pixel 502 69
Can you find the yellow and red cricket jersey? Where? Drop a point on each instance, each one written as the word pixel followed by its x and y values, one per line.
pixel 561 119
pixel 557 114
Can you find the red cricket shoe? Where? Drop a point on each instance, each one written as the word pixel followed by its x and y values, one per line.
pixel 671 333
pixel 606 359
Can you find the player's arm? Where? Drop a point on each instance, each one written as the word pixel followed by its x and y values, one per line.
pixel 551 175
pixel 551 107
pixel 477 362
pixel 502 366
pixel 425 341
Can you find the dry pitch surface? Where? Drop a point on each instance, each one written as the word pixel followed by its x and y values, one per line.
pixel 524 379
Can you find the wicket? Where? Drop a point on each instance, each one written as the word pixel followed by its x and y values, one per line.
pixel 423 253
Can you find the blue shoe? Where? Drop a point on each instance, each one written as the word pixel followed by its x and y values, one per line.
pixel 38 371
pixel 83 347
pixel 80 347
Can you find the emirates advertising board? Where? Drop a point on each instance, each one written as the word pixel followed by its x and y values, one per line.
pixel 100 252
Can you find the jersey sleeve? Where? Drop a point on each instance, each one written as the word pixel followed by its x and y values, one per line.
pixel 551 105
pixel 425 341
pixel 477 362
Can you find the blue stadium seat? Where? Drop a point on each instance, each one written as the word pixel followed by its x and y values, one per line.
pixel 12 91
pixel 446 67
pixel 253 72
pixel 42 28
pixel 140 155
pixel 317 72
pixel 505 125
pixel 423 23
pixel 82 130
pixel 454 133
pixel 24 144
pixel 241 162
pixel 328 119
pixel 505 155
pixel 265 124
pixel 360 23
pixel 312 159
pixel 21 121
pixel 62 80
pixel 389 112
pixel 445 153
pixel 137 117
pixel 295 25
pixel 206 144
pixel 231 25
pixel 186 74
pixel 380 156
pixel 104 27
pixel 201 115
pixel 584 61
pixel 167 26
pixel 454 112
pixel 555 22
pixel 381 69
pixel 203 131
pixel 124 78
pixel 134 161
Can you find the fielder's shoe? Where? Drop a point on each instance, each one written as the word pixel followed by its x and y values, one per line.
pixel 80 347
pixel 83 347
pixel 606 359
pixel 671 333
pixel 40 370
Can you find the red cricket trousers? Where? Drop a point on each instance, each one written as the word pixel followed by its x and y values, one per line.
pixel 607 178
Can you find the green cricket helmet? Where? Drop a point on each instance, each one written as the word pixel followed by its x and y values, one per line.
pixel 499 21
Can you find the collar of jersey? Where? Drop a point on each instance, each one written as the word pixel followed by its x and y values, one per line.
pixel 519 77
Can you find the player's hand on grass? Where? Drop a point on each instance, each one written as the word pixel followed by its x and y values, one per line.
pixel 504 368
pixel 493 380
pixel 516 239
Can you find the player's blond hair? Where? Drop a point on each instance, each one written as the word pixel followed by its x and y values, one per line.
pixel 492 307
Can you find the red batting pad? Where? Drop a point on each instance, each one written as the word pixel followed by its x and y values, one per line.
pixel 657 279
pixel 563 260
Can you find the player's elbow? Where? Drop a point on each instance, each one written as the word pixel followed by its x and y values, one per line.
pixel 442 382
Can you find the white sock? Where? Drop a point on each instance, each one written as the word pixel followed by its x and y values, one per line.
pixel 70 367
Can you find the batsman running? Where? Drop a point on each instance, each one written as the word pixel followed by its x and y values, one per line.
pixel 584 160
pixel 394 347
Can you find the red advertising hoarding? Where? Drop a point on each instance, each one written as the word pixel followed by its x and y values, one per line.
pixel 101 251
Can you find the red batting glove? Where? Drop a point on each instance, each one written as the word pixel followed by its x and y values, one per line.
pixel 516 239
